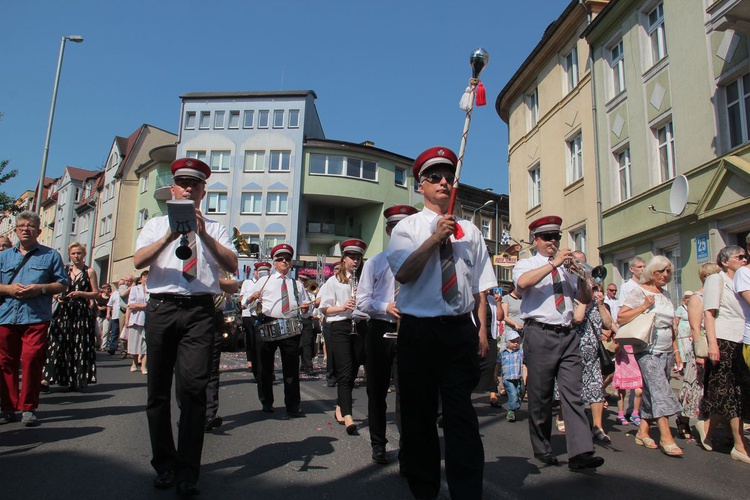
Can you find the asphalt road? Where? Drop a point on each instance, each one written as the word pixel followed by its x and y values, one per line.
pixel 94 444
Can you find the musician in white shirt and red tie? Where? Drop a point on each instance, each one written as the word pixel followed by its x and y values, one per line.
pixel 180 326
pixel 441 277
pixel 283 300
pixel 551 346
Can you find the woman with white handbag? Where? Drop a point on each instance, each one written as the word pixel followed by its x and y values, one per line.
pixel 657 357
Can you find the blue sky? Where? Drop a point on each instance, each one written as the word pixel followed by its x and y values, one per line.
pixel 391 72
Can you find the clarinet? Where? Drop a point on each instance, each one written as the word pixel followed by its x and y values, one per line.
pixel 353 289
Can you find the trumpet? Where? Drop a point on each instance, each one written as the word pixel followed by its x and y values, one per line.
pixel 584 271
pixel 312 287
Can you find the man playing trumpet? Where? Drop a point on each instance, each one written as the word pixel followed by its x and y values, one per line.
pixel 281 298
pixel 551 346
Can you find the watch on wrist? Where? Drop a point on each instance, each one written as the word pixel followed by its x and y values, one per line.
pixel 44 289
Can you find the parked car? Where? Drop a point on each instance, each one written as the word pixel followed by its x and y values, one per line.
pixel 232 331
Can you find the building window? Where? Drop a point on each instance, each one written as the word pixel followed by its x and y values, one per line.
pixel 623 171
pixel 656 34
pixel 190 120
pixel 535 185
pixel 738 118
pixel 280 161
pixel 278 118
pixel 198 155
pixel 356 168
pixel 617 63
pixel 665 140
pixel 400 177
pixel 142 217
pixel 532 104
pixel 109 224
pixel 77 195
pixel 144 183
pixel 272 240
pixel 263 118
pixel 220 161
pixel 294 118
pixel 102 225
pixel 277 203
pixel 219 119
pixel 254 161
pixel 216 203
pixel 571 69
pixel 234 119
pixel 205 120
pixel 486 228
pixel 575 159
pixel 578 239
pixel 251 203
pixel 73 226
pixel 249 118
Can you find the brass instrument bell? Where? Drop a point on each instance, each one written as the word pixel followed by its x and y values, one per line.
pixel 183 252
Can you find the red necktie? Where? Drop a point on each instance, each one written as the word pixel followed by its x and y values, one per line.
pixel 190 266
pixel 558 289
pixel 448 272
pixel 284 297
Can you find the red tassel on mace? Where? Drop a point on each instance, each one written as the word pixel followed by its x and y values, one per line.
pixel 481 95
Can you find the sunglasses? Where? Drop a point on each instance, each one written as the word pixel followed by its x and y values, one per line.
pixel 434 178
pixel 549 236
pixel 741 256
pixel 282 259
pixel 611 289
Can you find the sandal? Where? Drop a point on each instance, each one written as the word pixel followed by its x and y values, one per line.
pixel 622 420
pixel 646 442
pixel 635 419
pixel 600 435
pixel 671 450
pixel 683 430
pixel 700 427
pixel 561 426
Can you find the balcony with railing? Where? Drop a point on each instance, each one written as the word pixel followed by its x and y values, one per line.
pixel 162 187
pixel 329 231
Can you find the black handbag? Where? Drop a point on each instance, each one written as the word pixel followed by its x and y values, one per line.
pixel 605 359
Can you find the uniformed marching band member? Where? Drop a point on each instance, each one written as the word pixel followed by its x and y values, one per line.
pixel 338 303
pixel 179 321
pixel 441 279
pixel 376 296
pixel 551 346
pixel 261 271
pixel 307 339
pixel 282 298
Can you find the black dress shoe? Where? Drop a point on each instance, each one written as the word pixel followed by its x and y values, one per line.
pixel 547 458
pixel 351 429
pixel 187 489
pixel 296 414
pixel 164 480
pixel 378 454
pixel 585 461
pixel 267 408
pixel 214 423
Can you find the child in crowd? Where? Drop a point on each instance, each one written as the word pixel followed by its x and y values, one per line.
pixel 512 363
pixel 627 377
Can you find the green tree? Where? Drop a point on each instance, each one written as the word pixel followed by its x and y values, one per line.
pixel 7 203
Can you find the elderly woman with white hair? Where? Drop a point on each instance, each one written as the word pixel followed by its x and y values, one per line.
pixel 655 360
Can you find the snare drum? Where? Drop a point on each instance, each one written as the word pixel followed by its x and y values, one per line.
pixel 281 329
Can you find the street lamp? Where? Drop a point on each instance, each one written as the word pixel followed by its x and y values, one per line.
pixel 488 202
pixel 42 175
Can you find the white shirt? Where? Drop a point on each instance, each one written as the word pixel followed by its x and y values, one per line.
pixel 137 296
pixel 625 290
pixel 742 284
pixel 493 308
pixel 376 288
pixel 614 307
pixel 247 289
pixel 270 297
pixel 114 303
pixel 334 294
pixel 718 293
pixel 423 296
pixel 538 301
pixel 165 273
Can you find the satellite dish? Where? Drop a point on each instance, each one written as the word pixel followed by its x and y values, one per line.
pixel 678 195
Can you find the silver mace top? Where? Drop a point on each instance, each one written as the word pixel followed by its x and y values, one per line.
pixel 478 60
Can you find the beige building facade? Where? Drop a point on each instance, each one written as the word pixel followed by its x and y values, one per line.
pixel 551 137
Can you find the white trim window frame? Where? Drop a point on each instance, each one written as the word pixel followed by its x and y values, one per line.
pixel 622 160
pixel 263 118
pixel 737 94
pixel 575 158
pixel 248 118
pixel 251 203
pixel 570 67
pixel 278 118
pixel 294 118
pixel 535 185
pixel 144 183
pixel 142 217
pixel 280 160
pixel 197 154
pixel 657 33
pixel 189 123
pixel 216 202
pixel 205 121
pixel 234 120
pixel 577 238
pixel 400 177
pixel 277 203
pixel 486 228
pixel 664 136
pixel 617 66
pixel 254 160
pixel 532 106
pixel 219 119
pixel 220 161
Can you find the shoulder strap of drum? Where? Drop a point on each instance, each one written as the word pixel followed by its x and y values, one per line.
pixel 296 297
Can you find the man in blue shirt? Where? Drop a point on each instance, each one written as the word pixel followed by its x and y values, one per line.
pixel 30 274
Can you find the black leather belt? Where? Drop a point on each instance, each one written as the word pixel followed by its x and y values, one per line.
pixel 547 326
pixel 446 319
pixel 184 300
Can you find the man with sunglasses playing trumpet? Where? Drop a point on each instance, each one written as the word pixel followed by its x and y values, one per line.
pixel 551 346
pixel 283 300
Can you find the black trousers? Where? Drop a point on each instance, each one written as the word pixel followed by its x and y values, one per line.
pixel 178 333
pixel 251 342
pixel 289 348
pixel 212 389
pixel 349 350
pixel 487 368
pixel 380 356
pixel 438 356
pixel 307 345
pixel 330 363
